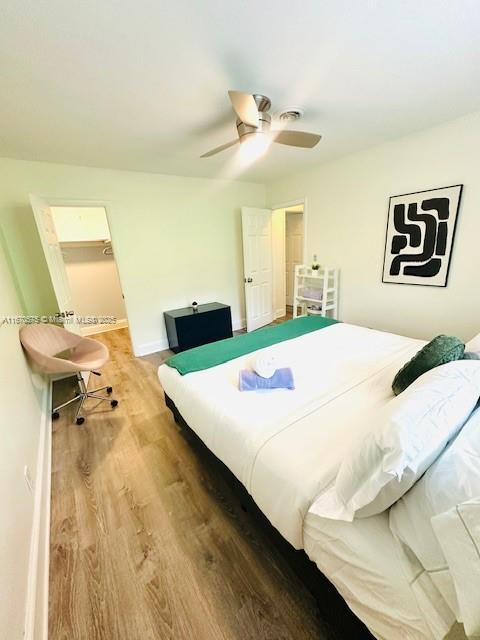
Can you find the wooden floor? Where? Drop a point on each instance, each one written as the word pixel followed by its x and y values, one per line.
pixel 146 542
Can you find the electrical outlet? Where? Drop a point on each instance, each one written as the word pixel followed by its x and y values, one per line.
pixel 28 478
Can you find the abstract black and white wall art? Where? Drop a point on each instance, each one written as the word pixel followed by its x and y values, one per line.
pixel 420 234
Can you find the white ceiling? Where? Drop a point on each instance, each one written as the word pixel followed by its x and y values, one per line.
pixel 142 84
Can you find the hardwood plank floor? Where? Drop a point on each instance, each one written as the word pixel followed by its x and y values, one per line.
pixel 146 541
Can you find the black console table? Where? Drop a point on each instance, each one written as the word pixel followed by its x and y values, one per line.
pixel 187 328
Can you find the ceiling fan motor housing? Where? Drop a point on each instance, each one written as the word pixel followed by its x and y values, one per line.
pixel 263 103
pixel 264 119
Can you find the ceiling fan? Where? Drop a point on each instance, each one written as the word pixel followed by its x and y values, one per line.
pixel 253 122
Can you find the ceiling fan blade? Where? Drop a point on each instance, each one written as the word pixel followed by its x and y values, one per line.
pixel 245 107
pixel 296 138
pixel 221 148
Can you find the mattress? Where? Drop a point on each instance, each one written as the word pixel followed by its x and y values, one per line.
pixel 286 446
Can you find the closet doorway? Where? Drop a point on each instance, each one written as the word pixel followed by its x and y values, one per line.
pixel 288 232
pixel 90 268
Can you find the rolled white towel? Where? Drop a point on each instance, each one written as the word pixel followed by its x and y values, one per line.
pixel 265 365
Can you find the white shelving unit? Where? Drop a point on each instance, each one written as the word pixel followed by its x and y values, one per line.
pixel 317 288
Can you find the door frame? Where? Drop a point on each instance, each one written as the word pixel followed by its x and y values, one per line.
pixel 293 203
pixel 105 204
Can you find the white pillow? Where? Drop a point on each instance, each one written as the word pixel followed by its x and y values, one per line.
pixel 407 435
pixel 473 345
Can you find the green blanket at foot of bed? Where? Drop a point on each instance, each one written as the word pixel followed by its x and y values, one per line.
pixel 210 355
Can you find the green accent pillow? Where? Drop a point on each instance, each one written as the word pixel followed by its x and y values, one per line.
pixel 440 350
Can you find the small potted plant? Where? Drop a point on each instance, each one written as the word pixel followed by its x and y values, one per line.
pixel 315 267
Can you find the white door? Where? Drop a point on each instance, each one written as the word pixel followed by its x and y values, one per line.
pixel 293 249
pixel 257 264
pixel 56 267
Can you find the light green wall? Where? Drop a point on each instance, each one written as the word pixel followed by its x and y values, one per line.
pixel 176 239
pixel 21 243
pixel 179 239
pixel 22 399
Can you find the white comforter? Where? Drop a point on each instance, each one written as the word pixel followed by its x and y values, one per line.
pixel 286 446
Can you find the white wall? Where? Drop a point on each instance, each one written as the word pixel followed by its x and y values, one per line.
pixel 347 204
pixel 176 239
pixel 23 430
pixel 278 255
pixel 94 282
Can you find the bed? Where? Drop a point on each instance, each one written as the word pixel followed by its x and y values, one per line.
pixel 285 448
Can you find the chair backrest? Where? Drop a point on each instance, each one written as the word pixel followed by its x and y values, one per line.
pixel 48 338
pixel 43 342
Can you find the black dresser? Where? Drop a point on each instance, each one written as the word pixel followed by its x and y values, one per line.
pixel 187 328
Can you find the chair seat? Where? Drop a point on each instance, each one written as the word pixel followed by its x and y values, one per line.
pixel 89 354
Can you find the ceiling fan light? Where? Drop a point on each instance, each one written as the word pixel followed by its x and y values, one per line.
pixel 253 146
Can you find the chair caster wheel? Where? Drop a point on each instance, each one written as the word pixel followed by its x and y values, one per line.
pixel 80 420
pixel 114 403
pixel 109 389
pixel 55 415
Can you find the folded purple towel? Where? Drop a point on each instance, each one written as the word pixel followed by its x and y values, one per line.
pixel 281 379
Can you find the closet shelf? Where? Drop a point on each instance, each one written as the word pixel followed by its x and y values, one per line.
pixel 319 300
pixel 86 243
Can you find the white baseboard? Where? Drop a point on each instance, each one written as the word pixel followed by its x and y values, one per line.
pixel 147 348
pixel 280 313
pixel 92 329
pixel 36 614
pixel 239 324
pixel 150 347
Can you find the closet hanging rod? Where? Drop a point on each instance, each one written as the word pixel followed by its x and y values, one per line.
pixel 77 244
